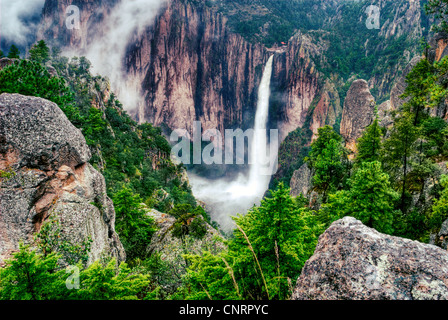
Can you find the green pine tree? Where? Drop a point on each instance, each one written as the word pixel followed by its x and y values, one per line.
pixel 133 225
pixel 370 144
pixel 397 154
pixel 14 52
pixel 369 199
pixel 328 160
pixel 40 52
pixel 270 246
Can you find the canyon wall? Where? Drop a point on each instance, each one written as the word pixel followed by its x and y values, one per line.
pixel 190 67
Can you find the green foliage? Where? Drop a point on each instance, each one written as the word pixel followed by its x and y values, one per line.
pixel 370 143
pixel 32 79
pixel 398 150
pixel 265 257
pixel 132 223
pixel 189 221
pixel 14 52
pixel 40 52
pixel 439 9
pixel 107 282
pixel 440 207
pixel 291 155
pixel 370 198
pixel 328 160
pixel 50 240
pixel 30 275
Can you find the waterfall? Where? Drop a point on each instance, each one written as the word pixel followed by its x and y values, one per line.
pixel 258 149
pixel 224 198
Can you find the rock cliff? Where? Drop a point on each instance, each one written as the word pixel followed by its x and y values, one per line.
pixel 358 113
pixel 355 262
pixel 45 171
pixel 190 66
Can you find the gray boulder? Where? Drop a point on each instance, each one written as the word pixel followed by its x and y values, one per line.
pixel 355 262
pixel 45 171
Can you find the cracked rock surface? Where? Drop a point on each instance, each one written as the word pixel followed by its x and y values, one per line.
pixel 355 262
pixel 45 171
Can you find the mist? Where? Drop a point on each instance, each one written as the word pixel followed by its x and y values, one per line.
pixel 127 21
pixel 19 21
pixel 224 198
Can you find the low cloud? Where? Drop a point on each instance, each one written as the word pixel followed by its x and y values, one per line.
pixel 19 20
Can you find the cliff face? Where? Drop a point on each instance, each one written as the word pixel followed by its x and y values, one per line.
pixel 354 262
pixel 193 68
pixel 359 107
pixel 45 171
pixel 53 24
pixel 190 67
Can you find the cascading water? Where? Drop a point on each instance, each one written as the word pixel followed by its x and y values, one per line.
pixel 256 177
pixel 225 199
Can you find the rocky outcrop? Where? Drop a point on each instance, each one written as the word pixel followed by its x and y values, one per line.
pixel 53 27
pixel 358 113
pixel 45 171
pixel 327 110
pixel 400 85
pixel 301 181
pixel 170 249
pixel 295 85
pixel 4 62
pixel 353 261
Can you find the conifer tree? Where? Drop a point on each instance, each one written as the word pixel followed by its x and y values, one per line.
pixel 369 199
pixel 328 160
pixel 40 53
pixel 397 154
pixel 14 52
pixel 369 145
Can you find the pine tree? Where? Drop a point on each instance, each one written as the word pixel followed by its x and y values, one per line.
pixel 328 160
pixel 133 225
pixel 397 154
pixel 370 144
pixel 40 53
pixel 31 276
pixel 270 246
pixel 14 52
pixel 369 199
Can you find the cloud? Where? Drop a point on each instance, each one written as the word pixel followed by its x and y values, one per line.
pixel 127 20
pixel 19 20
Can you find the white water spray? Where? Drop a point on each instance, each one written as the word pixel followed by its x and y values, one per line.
pixel 225 199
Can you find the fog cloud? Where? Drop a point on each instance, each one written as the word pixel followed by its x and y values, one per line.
pixel 107 51
pixel 19 20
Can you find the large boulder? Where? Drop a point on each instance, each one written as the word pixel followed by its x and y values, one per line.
pixel 44 171
pixel 353 261
pixel 358 113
